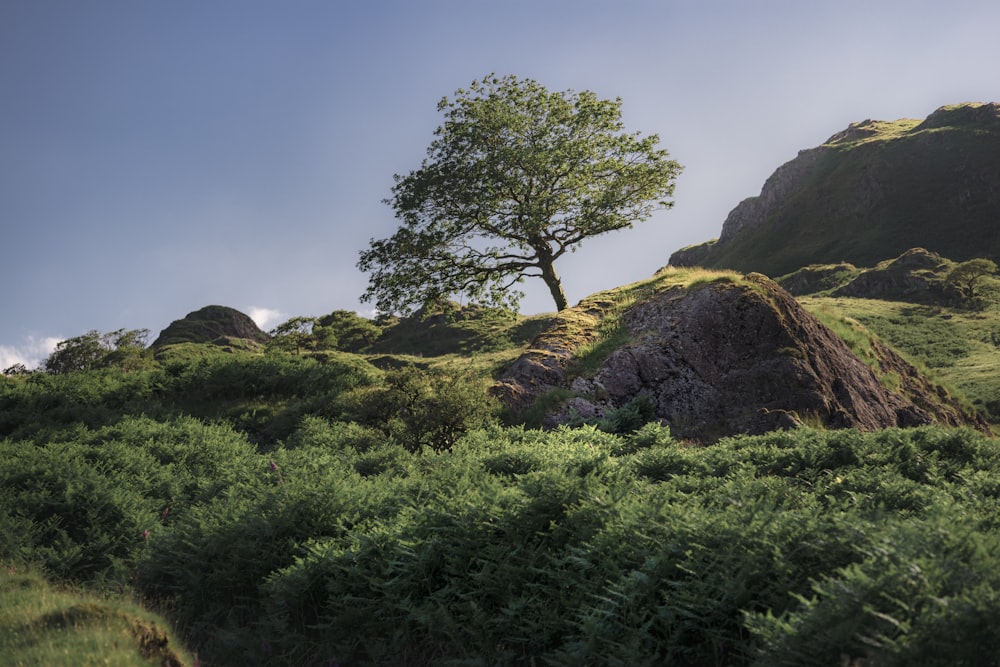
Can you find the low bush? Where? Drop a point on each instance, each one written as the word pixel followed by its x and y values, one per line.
pixel 420 408
pixel 85 506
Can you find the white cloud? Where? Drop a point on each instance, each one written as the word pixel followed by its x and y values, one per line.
pixel 32 352
pixel 265 317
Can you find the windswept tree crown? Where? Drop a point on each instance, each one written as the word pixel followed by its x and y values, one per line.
pixel 515 177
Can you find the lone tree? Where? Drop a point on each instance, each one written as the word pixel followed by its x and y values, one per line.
pixel 516 177
pixel 970 279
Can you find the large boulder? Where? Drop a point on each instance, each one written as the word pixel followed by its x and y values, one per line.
pixel 729 357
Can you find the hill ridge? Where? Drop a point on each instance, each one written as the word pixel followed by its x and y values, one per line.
pixel 868 192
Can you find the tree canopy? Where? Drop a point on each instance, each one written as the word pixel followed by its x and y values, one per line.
pixel 969 278
pixel 516 177
pixel 294 334
pixel 93 349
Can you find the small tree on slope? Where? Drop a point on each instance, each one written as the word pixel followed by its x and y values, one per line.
pixel 516 177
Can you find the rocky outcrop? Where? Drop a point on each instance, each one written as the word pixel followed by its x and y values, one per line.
pixel 211 324
pixel 543 367
pixel 755 211
pixel 917 276
pixel 869 192
pixel 725 358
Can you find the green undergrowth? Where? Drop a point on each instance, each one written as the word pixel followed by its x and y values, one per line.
pixel 264 397
pixel 515 546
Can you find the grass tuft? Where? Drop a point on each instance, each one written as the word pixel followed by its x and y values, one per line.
pixel 41 624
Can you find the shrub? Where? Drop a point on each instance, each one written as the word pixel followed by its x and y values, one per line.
pixel 421 408
pixel 565 547
pixel 313 431
pixel 631 416
pixel 352 332
pixel 211 566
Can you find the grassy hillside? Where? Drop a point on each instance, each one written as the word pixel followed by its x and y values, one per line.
pixel 329 507
pixel 913 303
pixel 958 347
pixel 875 190
pixel 43 624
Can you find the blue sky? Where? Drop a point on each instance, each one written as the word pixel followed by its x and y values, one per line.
pixel 157 157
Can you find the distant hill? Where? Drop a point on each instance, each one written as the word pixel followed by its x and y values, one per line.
pixel 869 192
pixel 916 276
pixel 211 324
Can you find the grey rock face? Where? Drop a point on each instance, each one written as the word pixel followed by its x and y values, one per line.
pixel 754 211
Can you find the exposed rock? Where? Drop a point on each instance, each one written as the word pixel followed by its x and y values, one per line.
pixel 721 358
pixel 915 276
pixel 818 278
pixel 870 192
pixel 754 211
pixel 542 367
pixel 211 324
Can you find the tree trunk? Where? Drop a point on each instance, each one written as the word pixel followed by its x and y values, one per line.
pixel 551 279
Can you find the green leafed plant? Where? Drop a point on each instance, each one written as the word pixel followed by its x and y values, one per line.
pixel 516 177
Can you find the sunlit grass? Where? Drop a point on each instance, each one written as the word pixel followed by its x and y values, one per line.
pixel 43 625
pixel 849 330
pixel 959 349
pixel 873 130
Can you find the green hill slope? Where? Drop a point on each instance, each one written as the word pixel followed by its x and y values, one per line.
pixel 870 192
pixel 324 507
pixel 44 624
pixel 956 347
